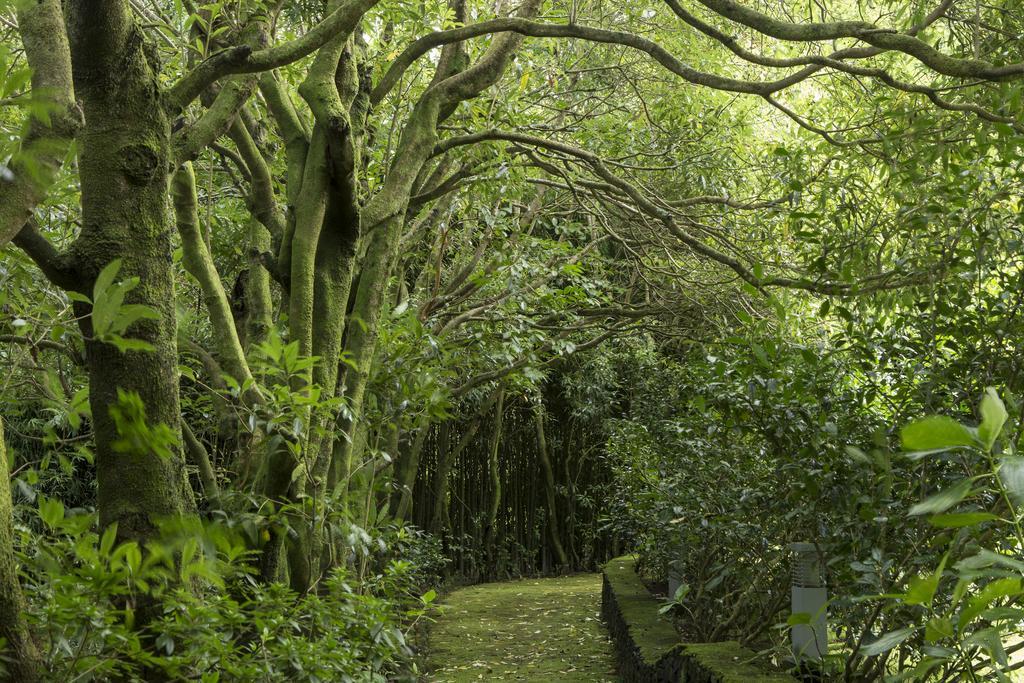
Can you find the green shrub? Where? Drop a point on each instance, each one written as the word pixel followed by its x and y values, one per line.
pixel 188 607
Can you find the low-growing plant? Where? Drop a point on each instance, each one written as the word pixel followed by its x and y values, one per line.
pixel 188 606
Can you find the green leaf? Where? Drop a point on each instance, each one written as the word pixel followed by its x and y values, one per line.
pixel 993 417
pixel 1000 588
pixel 956 520
pixel 943 500
pixel 123 345
pixel 857 455
pixel 938 628
pixel 798 618
pixel 1011 474
pixel 990 640
pixel 936 433
pixel 51 511
pixel 987 558
pixel 107 541
pixel 922 588
pixel 130 313
pixel 132 556
pixel 106 278
pixel 886 642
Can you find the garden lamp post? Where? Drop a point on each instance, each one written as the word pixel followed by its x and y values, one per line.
pixel 809 596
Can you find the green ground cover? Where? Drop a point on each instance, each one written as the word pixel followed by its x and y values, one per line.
pixel 531 630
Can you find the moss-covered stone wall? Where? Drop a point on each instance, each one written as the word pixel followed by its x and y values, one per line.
pixel 649 649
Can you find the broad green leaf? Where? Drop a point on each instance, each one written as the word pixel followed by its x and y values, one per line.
pixel 938 628
pixel 132 556
pixel 990 640
pixel 105 278
pixel 943 500
pixel 107 304
pixel 993 417
pixel 108 538
pixel 994 614
pixel 987 558
pixel 936 433
pixel 130 313
pixel 1000 588
pixel 1011 474
pixel 922 588
pixel 857 455
pixel 955 520
pixel 886 642
pixel 123 345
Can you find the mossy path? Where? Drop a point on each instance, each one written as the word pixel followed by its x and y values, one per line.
pixel 532 630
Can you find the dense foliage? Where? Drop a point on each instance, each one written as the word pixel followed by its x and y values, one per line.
pixel 312 308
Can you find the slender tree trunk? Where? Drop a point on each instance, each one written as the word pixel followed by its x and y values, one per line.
pixel 198 261
pixel 361 344
pixel 494 471
pixel 405 474
pixel 25 662
pixel 440 521
pixel 549 487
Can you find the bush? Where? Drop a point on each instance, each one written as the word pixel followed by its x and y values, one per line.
pixel 187 607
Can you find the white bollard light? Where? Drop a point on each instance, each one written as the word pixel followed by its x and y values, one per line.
pixel 810 596
pixel 674 582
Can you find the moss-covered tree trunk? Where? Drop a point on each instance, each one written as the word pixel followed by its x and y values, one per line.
pixel 406 470
pixel 24 664
pixel 361 344
pixel 124 166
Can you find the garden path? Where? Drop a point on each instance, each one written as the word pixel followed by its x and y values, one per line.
pixel 542 630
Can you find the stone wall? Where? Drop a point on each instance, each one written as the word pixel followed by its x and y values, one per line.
pixel 649 649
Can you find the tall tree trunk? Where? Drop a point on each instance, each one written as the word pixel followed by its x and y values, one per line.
pixel 549 487
pixel 405 474
pixel 124 165
pixel 361 345
pixel 494 472
pixel 440 521
pixel 25 663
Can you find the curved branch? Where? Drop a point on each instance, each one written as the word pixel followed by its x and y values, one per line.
pixel 876 282
pixel 34 167
pixel 886 39
pixel 526 27
pixel 881 41
pixel 58 267
pixel 243 59
pixel 850 53
pixel 192 140
pixel 199 264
